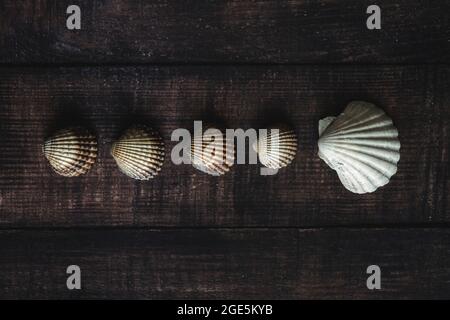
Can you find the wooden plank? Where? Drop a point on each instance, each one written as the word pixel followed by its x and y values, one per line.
pixel 225 264
pixel 442 165
pixel 34 101
pixel 299 31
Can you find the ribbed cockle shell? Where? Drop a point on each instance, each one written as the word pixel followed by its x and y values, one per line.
pixel 139 152
pixel 212 152
pixel 71 152
pixel 277 148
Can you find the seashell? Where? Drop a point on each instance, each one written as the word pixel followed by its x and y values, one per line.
pixel 71 152
pixel 139 152
pixel 211 154
pixel 277 148
pixel 362 145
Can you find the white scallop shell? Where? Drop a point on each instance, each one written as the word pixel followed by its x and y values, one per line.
pixel 71 152
pixel 212 153
pixel 277 148
pixel 139 152
pixel 362 145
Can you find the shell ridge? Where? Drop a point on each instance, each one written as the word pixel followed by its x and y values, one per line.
pixel 354 111
pixel 359 178
pixel 369 163
pixel 391 155
pixel 380 126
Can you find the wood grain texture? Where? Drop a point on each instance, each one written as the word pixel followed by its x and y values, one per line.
pixel 442 189
pixel 307 193
pixel 187 235
pixel 225 264
pixel 238 31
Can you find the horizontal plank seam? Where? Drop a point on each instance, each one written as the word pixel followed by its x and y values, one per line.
pixel 211 64
pixel 175 228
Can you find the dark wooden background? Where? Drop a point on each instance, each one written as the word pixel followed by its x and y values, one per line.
pixel 298 234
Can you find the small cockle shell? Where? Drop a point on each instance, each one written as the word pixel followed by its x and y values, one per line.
pixel 362 145
pixel 212 153
pixel 139 152
pixel 277 148
pixel 71 152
